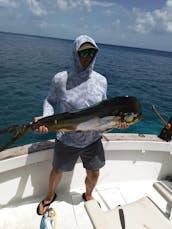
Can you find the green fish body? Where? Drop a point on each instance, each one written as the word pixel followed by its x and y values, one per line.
pixel 102 116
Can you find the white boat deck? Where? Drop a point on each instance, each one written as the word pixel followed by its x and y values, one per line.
pixel 133 163
pixel 69 206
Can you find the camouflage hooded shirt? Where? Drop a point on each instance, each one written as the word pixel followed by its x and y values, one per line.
pixel 74 90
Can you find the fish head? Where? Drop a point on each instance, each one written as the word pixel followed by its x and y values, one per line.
pixel 48 220
pixel 126 108
pixel 50 213
pixel 130 118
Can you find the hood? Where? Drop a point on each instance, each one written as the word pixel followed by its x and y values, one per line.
pixel 78 75
pixel 76 64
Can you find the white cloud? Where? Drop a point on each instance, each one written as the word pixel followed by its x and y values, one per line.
pixel 168 27
pixel 102 4
pixel 169 3
pixel 62 4
pixel 81 4
pixel 36 8
pixel 157 20
pixel 144 22
pixel 109 12
pixel 8 3
pixel 116 23
pixel 43 24
pixel 71 4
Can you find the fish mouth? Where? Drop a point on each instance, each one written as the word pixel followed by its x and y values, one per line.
pixel 131 118
pixel 50 212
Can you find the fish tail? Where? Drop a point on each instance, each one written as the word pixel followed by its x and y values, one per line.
pixel 8 130
pixel 16 131
pixel 10 142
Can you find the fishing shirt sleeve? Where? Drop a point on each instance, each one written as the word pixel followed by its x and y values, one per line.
pixel 52 99
pixel 105 90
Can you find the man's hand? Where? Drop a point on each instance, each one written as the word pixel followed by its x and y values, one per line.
pixel 41 129
pixel 122 125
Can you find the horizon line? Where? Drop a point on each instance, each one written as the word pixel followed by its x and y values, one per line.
pixel 58 38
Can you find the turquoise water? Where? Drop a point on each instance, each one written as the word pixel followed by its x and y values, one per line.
pixel 27 65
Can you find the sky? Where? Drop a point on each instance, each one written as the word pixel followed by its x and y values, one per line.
pixel 133 23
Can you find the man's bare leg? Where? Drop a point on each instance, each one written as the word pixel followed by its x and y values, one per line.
pixel 90 182
pixel 54 180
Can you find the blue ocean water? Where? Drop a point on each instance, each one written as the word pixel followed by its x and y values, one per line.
pixel 28 63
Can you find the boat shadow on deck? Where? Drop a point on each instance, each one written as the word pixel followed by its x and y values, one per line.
pixel 29 183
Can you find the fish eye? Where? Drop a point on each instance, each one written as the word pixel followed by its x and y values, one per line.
pixel 129 118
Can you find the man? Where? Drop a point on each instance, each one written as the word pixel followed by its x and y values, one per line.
pixel 76 89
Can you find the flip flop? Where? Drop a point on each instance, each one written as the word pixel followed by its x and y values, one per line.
pixel 45 204
pixel 85 199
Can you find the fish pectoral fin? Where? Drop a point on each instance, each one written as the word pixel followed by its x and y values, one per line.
pixel 68 128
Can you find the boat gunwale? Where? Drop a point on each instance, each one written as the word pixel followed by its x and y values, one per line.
pixel 108 137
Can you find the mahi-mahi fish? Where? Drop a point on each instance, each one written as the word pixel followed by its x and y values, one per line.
pixel 102 116
pixel 48 220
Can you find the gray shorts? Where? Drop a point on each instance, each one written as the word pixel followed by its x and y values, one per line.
pixel 65 156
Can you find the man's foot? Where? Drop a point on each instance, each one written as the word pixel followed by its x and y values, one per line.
pixel 44 205
pixel 88 198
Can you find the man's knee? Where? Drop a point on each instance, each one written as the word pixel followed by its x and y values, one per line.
pixel 93 174
pixel 56 171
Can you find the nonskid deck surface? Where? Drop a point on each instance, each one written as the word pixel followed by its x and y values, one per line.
pixel 70 209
